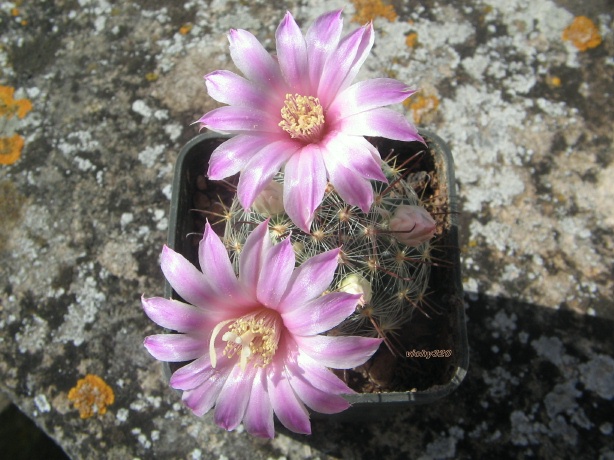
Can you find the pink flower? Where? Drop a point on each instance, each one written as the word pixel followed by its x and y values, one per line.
pixel 412 225
pixel 254 339
pixel 298 111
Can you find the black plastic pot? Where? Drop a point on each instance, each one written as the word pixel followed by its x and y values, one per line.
pixel 443 374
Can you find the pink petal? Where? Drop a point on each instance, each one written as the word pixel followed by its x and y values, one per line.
pixel 322 39
pixel 338 352
pixel 362 52
pixel 218 270
pixel 229 88
pixel 174 347
pixel 256 246
pixel 201 399
pixel 321 314
pixel 367 95
pixel 194 374
pixel 238 119
pixel 309 280
pixel 301 196
pixel 355 153
pixel 232 400
pixel 232 156
pixel 318 375
pixel 292 54
pixel 175 315
pixel 278 266
pixel 381 122
pixel 350 186
pixel 253 60
pixel 188 282
pixel 343 65
pixel 258 419
pixel 261 169
pixel 317 400
pixel 289 410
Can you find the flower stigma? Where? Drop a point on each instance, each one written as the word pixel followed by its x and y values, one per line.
pixel 251 337
pixel 302 117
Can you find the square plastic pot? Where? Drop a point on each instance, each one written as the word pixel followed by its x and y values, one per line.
pixel 442 374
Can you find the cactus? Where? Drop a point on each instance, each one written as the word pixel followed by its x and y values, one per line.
pixel 392 276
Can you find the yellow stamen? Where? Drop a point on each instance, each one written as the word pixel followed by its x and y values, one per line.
pixel 302 117
pixel 251 337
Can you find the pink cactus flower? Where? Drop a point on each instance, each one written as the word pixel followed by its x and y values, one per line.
pixel 300 111
pixel 254 340
pixel 412 225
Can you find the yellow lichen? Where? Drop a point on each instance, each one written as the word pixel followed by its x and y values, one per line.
pixel 10 149
pixel 185 29
pixel 582 33
pixel 151 76
pixel 421 106
pixel 554 81
pixel 11 146
pixel 368 10
pixel 9 106
pixel 411 40
pixel 91 396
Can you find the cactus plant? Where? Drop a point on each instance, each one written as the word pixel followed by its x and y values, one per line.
pixel 373 257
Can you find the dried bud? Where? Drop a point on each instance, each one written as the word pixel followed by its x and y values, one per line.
pixel 270 201
pixel 412 225
pixel 356 284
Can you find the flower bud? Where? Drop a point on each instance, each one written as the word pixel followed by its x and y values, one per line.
pixel 356 284
pixel 412 225
pixel 269 202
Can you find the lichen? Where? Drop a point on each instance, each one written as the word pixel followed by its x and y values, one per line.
pixel 185 29
pixel 411 40
pixel 368 10
pixel 91 396
pixel 10 149
pixel 582 33
pixel 422 107
pixel 11 202
pixel 11 144
pixel 9 106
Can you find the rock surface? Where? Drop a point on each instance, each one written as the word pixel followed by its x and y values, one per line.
pixel 97 99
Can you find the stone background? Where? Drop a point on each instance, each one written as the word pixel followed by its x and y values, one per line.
pixel 104 94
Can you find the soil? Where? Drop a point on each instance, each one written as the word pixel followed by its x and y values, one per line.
pixel 428 350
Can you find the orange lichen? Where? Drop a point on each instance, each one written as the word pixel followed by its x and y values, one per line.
pixel 582 33
pixel 91 396
pixel 368 10
pixel 185 29
pixel 421 106
pixel 9 106
pixel 411 40
pixel 10 149
pixel 554 81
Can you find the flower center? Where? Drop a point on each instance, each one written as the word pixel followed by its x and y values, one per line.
pixel 252 337
pixel 302 117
